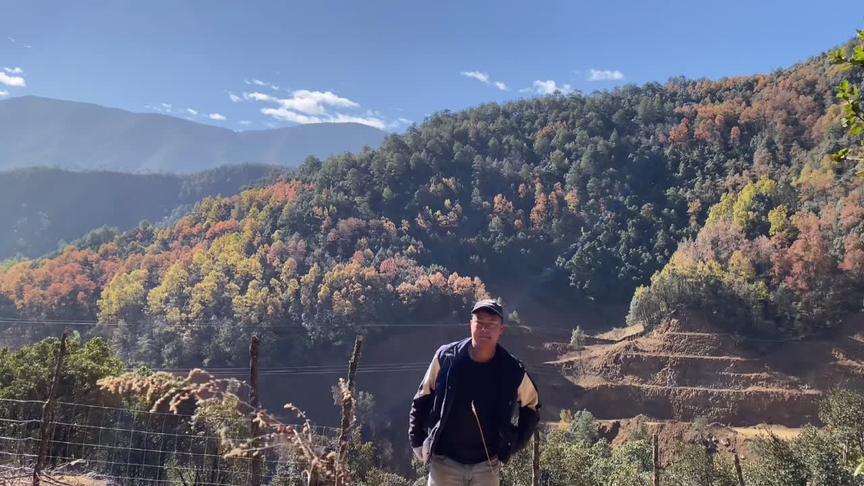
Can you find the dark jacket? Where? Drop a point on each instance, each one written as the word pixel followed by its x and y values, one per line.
pixel 518 416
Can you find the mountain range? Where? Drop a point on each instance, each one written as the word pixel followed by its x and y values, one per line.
pixel 36 131
pixel 43 209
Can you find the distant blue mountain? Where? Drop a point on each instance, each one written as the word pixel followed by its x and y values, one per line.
pixel 40 208
pixel 37 131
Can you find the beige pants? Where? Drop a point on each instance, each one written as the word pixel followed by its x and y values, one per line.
pixel 444 471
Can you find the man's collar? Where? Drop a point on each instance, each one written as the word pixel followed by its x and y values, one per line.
pixel 464 348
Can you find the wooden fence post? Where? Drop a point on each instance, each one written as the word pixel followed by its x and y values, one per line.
pixel 312 478
pixel 254 402
pixel 738 472
pixel 535 460
pixel 48 411
pixel 656 457
pixel 348 405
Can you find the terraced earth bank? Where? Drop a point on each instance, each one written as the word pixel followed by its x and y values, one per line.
pixel 686 370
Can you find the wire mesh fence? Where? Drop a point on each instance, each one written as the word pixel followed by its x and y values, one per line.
pixel 101 445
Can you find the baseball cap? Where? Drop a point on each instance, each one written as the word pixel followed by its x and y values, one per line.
pixel 490 305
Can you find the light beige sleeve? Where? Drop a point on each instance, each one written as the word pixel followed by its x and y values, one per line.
pixel 527 393
pixel 427 386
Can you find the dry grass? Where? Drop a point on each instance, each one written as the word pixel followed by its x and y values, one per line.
pixel 55 481
pixel 779 431
pixel 621 333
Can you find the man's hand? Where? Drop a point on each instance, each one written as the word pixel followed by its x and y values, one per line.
pixel 418 453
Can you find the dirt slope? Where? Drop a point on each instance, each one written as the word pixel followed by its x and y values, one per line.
pixel 686 369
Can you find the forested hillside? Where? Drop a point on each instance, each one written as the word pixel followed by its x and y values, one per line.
pixel 564 198
pixel 594 190
pixel 42 208
pixel 783 254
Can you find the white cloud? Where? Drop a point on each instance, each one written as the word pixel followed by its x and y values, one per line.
pixel 484 78
pixel 12 40
pixel 14 70
pixel 234 98
pixel 372 118
pixel 256 96
pixel 216 116
pixel 161 107
pixel 192 112
pixel 245 123
pixel 290 116
pixel 258 82
pixel 3 93
pixel 363 120
pixel 315 102
pixel 310 106
pixel 398 123
pixel 284 114
pixel 549 86
pixel 13 81
pixel 605 75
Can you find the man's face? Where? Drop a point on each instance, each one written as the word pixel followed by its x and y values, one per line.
pixel 486 328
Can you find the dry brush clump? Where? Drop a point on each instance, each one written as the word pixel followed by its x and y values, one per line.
pixel 244 431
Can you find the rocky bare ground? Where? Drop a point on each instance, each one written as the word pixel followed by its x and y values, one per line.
pixel 687 370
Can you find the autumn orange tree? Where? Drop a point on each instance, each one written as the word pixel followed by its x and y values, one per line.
pixel 782 254
pixel 195 292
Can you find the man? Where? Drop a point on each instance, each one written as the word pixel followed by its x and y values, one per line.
pixel 475 408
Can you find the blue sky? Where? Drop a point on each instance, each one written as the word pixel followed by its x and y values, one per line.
pixel 388 63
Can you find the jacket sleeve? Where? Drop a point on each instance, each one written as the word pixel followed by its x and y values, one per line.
pixel 422 404
pixel 529 412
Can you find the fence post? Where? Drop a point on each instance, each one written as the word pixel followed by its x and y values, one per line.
pixel 254 402
pixel 312 479
pixel 738 472
pixel 535 460
pixel 48 410
pixel 656 457
pixel 348 403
